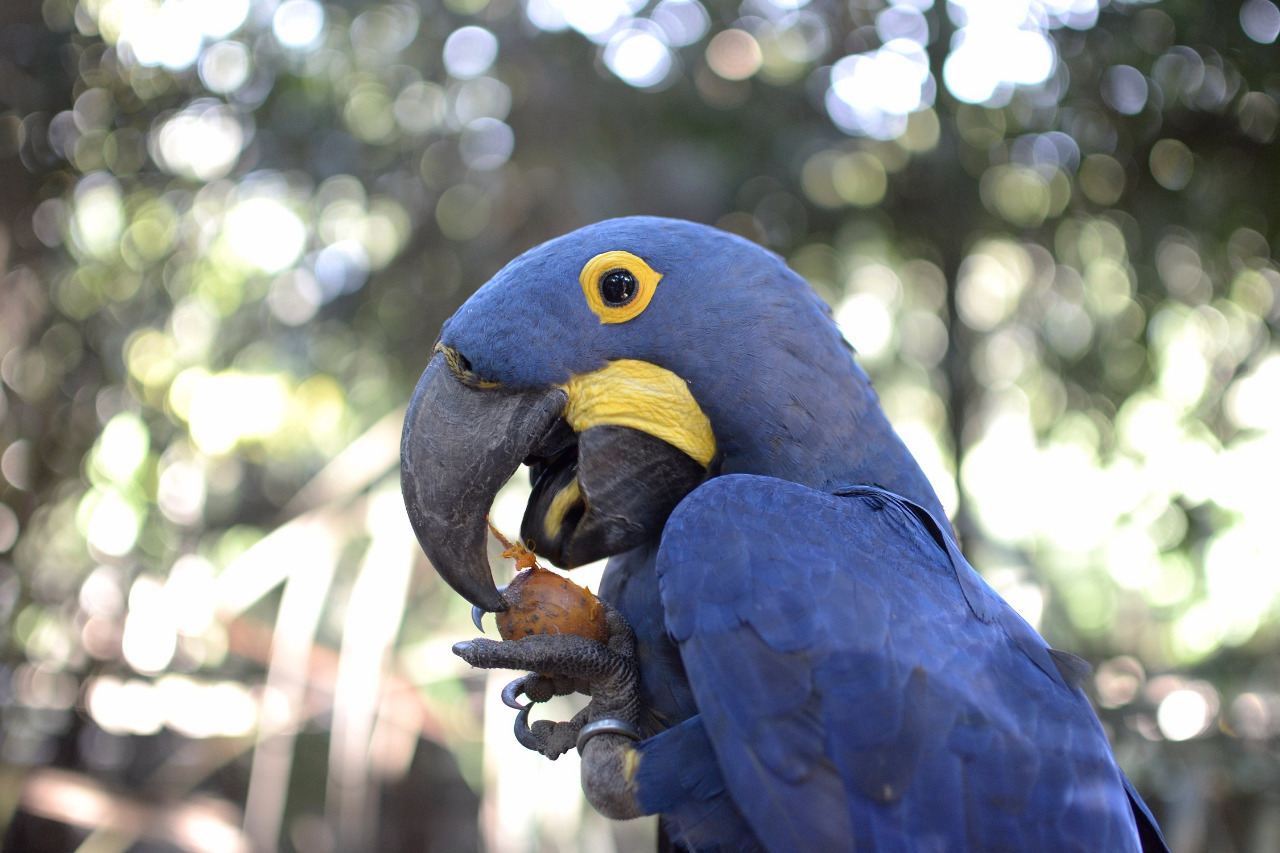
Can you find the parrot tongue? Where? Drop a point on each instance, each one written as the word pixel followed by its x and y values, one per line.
pixel 610 493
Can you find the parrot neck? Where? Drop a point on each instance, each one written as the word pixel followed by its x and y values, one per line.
pixel 827 430
pixel 867 450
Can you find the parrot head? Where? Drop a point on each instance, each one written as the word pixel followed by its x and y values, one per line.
pixel 625 363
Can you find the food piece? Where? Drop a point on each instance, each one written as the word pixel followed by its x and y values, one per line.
pixel 543 602
pixel 513 550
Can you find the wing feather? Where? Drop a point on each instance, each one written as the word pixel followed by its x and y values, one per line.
pixel 860 686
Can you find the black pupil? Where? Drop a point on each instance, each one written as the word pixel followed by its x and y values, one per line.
pixel 618 287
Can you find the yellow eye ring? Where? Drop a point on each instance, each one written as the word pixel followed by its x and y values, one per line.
pixel 618 286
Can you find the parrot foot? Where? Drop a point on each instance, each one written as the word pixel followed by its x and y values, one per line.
pixel 562 664
pixel 552 739
pixel 548 738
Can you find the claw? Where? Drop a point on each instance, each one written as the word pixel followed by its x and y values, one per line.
pixel 524 734
pixel 511 693
pixel 477 613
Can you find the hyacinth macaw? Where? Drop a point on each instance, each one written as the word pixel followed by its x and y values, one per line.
pixel 799 658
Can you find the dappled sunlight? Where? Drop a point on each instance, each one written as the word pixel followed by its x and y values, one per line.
pixel 298 24
pixel 197 709
pixel 203 141
pixel 872 94
pixel 639 57
pixel 264 233
pixel 98 219
pixel 228 408
pixel 1187 711
pixel 469 52
pixel 1114 508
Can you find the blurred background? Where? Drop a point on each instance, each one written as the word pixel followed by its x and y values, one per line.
pixel 231 229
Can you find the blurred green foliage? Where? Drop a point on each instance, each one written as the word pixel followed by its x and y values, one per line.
pixel 230 230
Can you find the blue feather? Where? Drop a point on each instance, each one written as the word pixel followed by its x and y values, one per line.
pixel 937 723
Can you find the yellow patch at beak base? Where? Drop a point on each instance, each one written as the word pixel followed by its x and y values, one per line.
pixel 644 397
pixel 560 504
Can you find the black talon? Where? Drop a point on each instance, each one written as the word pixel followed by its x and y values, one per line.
pixel 511 693
pixel 477 613
pixel 524 734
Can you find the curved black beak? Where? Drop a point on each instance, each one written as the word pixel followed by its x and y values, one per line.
pixel 459 446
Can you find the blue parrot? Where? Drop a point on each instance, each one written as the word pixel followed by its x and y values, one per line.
pixel 799 657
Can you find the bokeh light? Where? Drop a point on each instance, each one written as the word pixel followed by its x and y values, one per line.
pixel 264 233
pixel 224 66
pixel 202 142
pixel 469 51
pixel 1001 45
pixel 1260 20
pixel 683 22
pixel 872 94
pixel 486 143
pixel 298 24
pixel 1124 89
pixel 734 54
pixel 639 57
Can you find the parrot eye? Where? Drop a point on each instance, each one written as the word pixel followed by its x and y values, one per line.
pixel 618 287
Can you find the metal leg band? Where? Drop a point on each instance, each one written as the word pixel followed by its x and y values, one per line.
pixel 609 726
